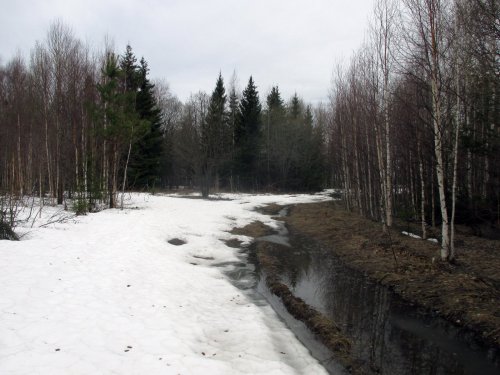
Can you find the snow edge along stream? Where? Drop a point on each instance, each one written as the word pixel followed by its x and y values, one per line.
pixel 106 293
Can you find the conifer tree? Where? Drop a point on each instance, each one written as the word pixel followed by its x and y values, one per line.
pixel 311 163
pixel 232 124
pixel 144 171
pixel 130 70
pixel 274 121
pixel 247 136
pixel 213 137
pixel 116 122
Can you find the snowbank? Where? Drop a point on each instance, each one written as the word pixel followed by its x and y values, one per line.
pixel 107 294
pixel 413 235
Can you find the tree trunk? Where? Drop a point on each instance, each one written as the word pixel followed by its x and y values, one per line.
pixel 438 148
pixel 422 192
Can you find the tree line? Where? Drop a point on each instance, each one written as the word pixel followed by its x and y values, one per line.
pixel 232 142
pixel 415 130
pixel 85 125
pixel 77 124
pixel 410 130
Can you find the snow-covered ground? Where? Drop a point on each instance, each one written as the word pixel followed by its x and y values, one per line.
pixel 107 294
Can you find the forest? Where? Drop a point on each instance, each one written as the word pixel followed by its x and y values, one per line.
pixel 410 130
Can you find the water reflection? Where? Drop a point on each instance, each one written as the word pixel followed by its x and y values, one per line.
pixel 388 334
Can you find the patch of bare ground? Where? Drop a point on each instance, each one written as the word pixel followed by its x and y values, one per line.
pixel 465 293
pixel 254 229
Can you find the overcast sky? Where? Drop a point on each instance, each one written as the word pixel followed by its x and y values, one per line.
pixel 290 43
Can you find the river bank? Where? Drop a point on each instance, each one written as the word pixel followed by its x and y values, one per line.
pixel 465 293
pixel 370 297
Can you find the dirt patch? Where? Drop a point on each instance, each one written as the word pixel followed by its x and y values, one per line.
pixel 254 229
pixel 234 243
pixel 465 293
pixel 176 242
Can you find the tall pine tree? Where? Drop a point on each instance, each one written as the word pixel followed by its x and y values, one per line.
pixel 144 169
pixel 247 137
pixel 213 140
pixel 273 123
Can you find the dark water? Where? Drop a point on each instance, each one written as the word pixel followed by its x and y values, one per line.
pixel 387 334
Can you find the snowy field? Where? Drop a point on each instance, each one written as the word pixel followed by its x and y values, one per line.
pixel 107 294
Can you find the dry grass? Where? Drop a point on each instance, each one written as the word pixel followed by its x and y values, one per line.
pixel 254 229
pixel 466 293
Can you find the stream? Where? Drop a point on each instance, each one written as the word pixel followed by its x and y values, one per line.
pixel 388 335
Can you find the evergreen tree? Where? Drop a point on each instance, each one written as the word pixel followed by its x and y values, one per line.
pixel 232 124
pixel 213 137
pixel 274 100
pixel 274 121
pixel 117 121
pixel 144 169
pixel 247 136
pixel 131 74
pixel 311 159
pixel 295 107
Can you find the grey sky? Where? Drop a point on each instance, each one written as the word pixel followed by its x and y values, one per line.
pixel 291 43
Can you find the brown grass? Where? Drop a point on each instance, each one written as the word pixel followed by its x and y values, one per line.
pixel 466 293
pixel 254 229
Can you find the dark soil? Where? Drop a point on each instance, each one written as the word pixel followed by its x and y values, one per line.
pixel 234 243
pixel 254 229
pixel 466 293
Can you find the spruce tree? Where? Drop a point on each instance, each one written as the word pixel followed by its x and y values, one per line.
pixel 247 137
pixel 311 160
pixel 144 170
pixel 213 140
pixel 273 133
pixel 232 124
pixel 117 121
pixel 295 107
pixel 274 100
pixel 131 75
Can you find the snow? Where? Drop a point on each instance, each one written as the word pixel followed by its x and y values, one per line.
pixel 413 235
pixel 107 294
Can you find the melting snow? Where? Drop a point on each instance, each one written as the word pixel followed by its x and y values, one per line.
pixel 107 294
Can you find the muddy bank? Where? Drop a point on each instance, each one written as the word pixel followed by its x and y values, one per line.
pixel 270 266
pixel 379 303
pixel 324 328
pixel 465 293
